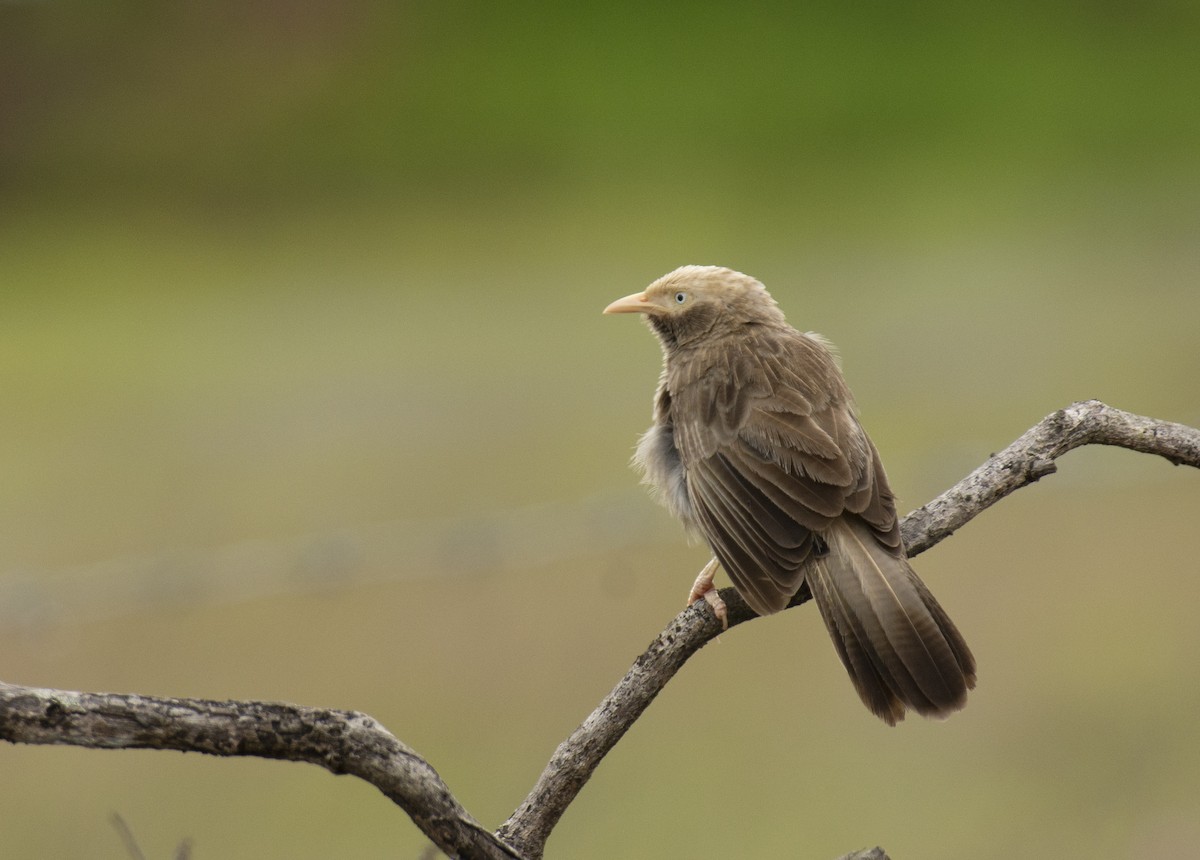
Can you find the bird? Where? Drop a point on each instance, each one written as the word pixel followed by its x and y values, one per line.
pixel 757 447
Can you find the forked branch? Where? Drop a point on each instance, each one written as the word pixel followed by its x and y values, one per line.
pixel 345 742
pixel 1024 461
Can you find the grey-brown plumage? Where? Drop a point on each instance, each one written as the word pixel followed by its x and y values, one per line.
pixel 756 445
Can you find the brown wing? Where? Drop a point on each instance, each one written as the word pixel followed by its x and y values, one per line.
pixel 773 454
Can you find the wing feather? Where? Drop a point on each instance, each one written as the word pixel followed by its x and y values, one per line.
pixel 771 458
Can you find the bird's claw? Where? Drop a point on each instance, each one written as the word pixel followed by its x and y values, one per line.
pixel 713 599
pixel 703 587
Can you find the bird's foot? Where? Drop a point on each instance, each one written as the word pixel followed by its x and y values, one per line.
pixel 703 587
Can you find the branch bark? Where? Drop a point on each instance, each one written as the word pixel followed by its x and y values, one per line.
pixel 1032 456
pixel 342 742
pixel 347 742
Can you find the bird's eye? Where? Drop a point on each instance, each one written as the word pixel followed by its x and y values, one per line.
pixel 680 298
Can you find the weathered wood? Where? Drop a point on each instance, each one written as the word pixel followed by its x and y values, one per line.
pixel 342 742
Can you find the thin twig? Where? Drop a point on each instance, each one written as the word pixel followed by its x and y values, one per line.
pixel 126 833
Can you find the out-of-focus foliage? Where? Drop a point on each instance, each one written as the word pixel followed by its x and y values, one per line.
pixel 307 396
pixel 253 102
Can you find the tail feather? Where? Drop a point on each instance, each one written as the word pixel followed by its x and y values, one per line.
pixel 900 647
pixel 854 648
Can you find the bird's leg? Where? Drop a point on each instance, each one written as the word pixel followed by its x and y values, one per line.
pixel 703 587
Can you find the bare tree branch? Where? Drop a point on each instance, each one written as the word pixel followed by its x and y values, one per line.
pixel 1032 456
pixel 1023 462
pixel 346 742
pixel 342 742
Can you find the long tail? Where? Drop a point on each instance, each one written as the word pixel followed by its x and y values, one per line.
pixel 899 646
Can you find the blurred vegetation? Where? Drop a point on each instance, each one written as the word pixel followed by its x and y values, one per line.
pixel 291 282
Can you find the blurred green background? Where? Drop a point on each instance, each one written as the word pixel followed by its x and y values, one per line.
pixel 307 396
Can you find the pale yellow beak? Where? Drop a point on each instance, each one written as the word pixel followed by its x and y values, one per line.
pixel 634 304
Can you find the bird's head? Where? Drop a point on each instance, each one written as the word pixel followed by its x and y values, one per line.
pixel 700 302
